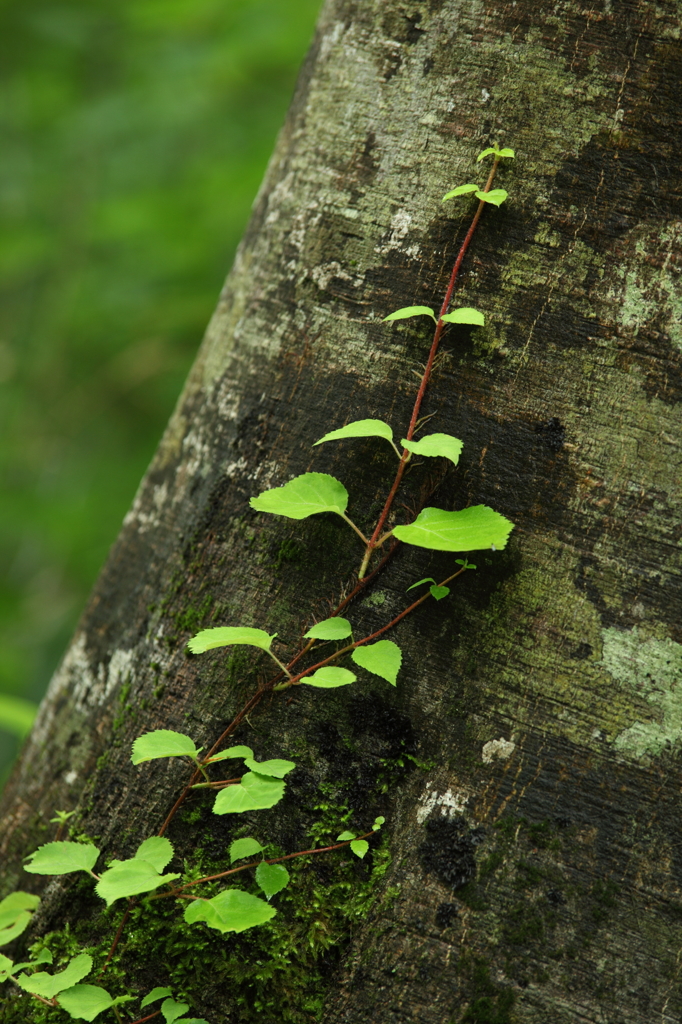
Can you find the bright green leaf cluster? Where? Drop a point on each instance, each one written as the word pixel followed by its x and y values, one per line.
pixel 259 789
pixel 138 874
pixel 499 154
pixel 462 315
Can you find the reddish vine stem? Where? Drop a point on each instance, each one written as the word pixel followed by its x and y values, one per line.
pixel 141 1020
pixel 255 863
pixel 427 372
pixel 117 936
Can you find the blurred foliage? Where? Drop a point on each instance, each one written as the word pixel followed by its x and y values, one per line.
pixel 134 137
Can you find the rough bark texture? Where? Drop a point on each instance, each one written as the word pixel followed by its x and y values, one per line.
pixel 536 872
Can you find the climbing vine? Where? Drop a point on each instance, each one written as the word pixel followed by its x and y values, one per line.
pixel 260 785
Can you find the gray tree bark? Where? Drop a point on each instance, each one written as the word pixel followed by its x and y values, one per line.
pixel 528 762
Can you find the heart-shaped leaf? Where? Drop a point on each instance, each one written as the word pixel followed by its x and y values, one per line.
pixel 434 445
pixel 230 911
pixel 439 592
pixel 241 848
pixel 335 628
pixel 84 1002
pixel 471 529
pixel 171 1010
pixel 48 985
pixel 359 847
pixel 304 496
pixel 383 658
pixel 329 677
pixel 465 315
pixel 461 190
pixel 254 793
pixel 162 743
pixel 272 878
pixel 359 428
pixel 61 858
pixel 496 196
pixel 224 636
pixel 407 311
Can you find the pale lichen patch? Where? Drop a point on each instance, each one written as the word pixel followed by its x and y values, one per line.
pixel 497 749
pixel 653 669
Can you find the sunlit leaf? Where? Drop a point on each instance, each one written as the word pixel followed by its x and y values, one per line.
pixel 461 190
pixel 157 850
pixel 304 496
pixel 156 993
pixel 407 311
pixel 225 636
pixel 230 911
pixel 345 836
pixel 439 592
pixel 335 628
pixel 359 847
pixel 48 985
pixel 383 658
pixel 60 858
pixel 359 428
pixel 496 196
pixel 435 445
pixel 378 822
pixel 272 878
pixel 427 579
pixel 162 743
pixel 44 957
pixel 6 968
pixel 508 153
pixel 276 767
pixel 84 1002
pixel 471 529
pixel 465 315
pixel 329 677
pixel 239 751
pixel 486 152
pixel 254 793
pixel 15 914
pixel 241 848
pixel 130 878
pixel 171 1010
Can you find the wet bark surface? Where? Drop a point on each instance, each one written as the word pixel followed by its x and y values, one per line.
pixel 528 761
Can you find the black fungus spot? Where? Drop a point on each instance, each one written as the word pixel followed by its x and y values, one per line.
pixel 556 898
pixel 448 851
pixel 553 434
pixel 581 652
pixel 413 33
pixel 392 729
pixel 562 821
pixel 446 915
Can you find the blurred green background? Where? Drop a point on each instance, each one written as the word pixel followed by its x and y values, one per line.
pixel 134 137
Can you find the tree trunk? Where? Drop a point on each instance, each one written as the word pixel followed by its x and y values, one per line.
pixel 527 763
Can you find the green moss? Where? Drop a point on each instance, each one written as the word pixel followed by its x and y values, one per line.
pixel 490 1002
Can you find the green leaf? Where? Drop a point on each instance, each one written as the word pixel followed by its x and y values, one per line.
pixel 496 196
pixel 335 628
pixel 162 743
pixel 359 428
pixel 486 152
pixel 378 822
pixel 230 911
pixel 239 751
pixel 434 445
pixel 254 793
pixel 241 848
pixel 465 315
pixel 464 563
pixel 407 311
pixel 275 767
pixel 157 850
pixel 329 677
pixel 427 579
pixel 471 529
pixel 16 715
pixel 304 496
pixel 171 1010
pixel 439 592
pixel 156 993
pixel 61 858
pixel 15 914
pixel 508 153
pixel 383 658
pixel 272 878
pixel 6 968
pixel 48 985
pixel 224 636
pixel 129 878
pixel 501 153
pixel 461 190
pixel 359 847
pixel 84 1002
pixel 345 836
